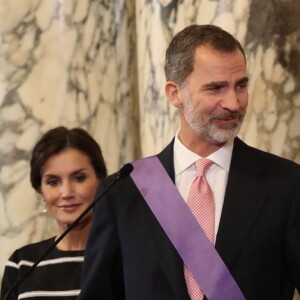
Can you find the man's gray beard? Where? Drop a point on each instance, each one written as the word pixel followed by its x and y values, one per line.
pixel 213 134
pixel 210 132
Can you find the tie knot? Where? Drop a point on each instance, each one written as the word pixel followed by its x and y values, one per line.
pixel 202 165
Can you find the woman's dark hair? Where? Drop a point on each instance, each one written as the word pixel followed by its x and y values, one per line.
pixel 58 139
pixel 179 63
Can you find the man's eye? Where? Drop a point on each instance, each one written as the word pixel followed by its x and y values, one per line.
pixel 242 86
pixel 215 87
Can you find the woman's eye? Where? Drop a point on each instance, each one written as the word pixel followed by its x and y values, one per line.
pixel 80 177
pixel 53 181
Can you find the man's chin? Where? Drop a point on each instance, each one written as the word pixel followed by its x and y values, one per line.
pixel 222 136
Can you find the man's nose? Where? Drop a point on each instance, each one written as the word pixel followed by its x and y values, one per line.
pixel 231 101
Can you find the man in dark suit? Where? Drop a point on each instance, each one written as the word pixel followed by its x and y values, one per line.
pixel 256 194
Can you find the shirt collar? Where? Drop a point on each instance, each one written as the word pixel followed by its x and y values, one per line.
pixel 184 158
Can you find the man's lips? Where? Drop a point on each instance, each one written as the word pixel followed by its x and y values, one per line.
pixel 227 120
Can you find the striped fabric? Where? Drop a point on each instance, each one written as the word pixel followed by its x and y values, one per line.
pixel 56 277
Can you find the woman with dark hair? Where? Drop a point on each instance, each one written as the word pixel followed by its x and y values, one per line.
pixel 66 167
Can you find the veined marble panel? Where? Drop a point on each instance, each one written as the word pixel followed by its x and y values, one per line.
pixel 273 121
pixel 62 62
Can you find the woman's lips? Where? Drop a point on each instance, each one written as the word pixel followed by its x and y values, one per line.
pixel 69 207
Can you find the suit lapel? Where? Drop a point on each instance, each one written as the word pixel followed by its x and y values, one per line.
pixel 166 159
pixel 244 199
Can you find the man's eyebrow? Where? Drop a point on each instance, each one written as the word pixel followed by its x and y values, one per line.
pixel 220 84
pixel 214 84
pixel 243 80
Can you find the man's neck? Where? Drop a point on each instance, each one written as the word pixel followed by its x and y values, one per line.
pixel 197 145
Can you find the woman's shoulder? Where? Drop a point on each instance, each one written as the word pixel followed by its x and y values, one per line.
pixel 32 251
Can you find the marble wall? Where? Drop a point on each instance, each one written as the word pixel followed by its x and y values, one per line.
pixel 98 64
pixel 69 63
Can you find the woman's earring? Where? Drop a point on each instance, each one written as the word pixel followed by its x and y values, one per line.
pixel 44 207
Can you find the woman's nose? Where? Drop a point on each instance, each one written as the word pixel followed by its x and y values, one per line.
pixel 67 190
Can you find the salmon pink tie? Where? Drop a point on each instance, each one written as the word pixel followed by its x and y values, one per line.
pixel 201 204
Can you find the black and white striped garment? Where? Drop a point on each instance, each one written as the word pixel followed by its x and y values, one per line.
pixel 56 277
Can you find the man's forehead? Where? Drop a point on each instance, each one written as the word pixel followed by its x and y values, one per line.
pixel 220 62
pixel 209 54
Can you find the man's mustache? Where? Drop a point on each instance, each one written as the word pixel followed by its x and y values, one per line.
pixel 229 115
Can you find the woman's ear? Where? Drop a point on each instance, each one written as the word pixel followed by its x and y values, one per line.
pixel 172 91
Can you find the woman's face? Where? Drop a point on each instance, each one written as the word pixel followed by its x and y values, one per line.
pixel 68 185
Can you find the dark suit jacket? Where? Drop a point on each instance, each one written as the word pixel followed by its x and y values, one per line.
pixel 129 256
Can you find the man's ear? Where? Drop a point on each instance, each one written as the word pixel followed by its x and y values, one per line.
pixel 172 91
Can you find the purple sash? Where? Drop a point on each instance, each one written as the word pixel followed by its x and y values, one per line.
pixel 180 225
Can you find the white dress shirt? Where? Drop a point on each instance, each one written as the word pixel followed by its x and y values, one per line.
pixel 216 175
